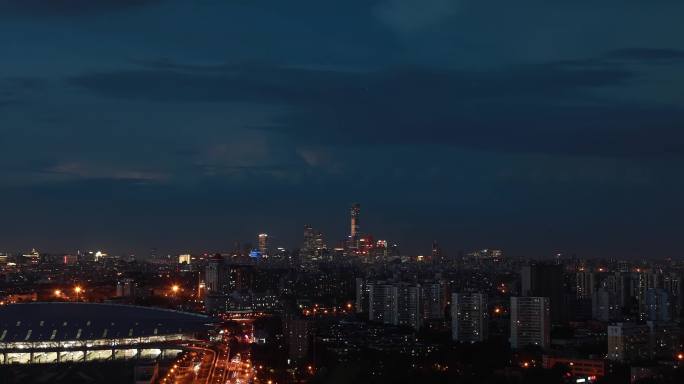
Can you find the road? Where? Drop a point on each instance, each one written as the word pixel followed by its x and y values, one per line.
pixel 215 363
pixel 193 367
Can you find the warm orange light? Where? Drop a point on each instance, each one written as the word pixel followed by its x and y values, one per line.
pixel 78 289
pixel 58 293
pixel 497 310
pixel 526 364
pixel 680 356
pixel 175 288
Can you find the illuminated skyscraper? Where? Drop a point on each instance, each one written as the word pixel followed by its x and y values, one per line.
pixel 263 244
pixel 314 247
pixel 355 217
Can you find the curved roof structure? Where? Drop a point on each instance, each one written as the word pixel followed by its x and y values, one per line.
pixel 88 321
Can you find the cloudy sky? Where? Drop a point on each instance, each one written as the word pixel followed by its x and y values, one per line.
pixel 536 126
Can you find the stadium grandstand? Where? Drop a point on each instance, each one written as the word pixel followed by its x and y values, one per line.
pixel 40 333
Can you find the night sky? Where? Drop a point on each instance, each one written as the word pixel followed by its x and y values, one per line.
pixel 536 126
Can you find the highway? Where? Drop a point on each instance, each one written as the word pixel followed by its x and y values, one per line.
pixel 215 363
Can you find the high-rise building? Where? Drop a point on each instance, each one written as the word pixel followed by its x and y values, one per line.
pixel 362 292
pixel 469 317
pixel 382 303
pixel 434 300
pixel 263 244
pixel 672 283
pixel 530 322
pixel 314 247
pixel 605 306
pixel 355 214
pixel 298 333
pixel 585 284
pixel 184 259
pixel 409 306
pixel 395 304
pixel 545 280
pixel 216 276
pixel 665 339
pixel 657 304
pixel 629 342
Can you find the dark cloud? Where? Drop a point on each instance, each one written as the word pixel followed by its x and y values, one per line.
pixel 549 108
pixel 647 54
pixel 40 7
pixel 477 123
pixel 13 90
pixel 8 102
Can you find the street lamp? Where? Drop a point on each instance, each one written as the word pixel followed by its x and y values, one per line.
pixel 175 288
pixel 78 291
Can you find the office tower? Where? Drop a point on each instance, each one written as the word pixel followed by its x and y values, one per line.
pixel 314 247
pixel 469 317
pixel 544 280
pixel 434 300
pixel 530 322
pixel 263 244
pixel 215 277
pixel 184 259
pixel 355 213
pixel 585 285
pixel 629 342
pixel 657 303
